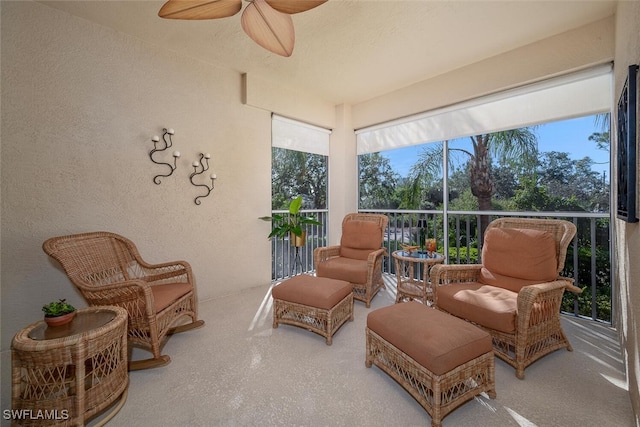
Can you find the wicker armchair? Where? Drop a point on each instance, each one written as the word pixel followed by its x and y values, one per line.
pixel 108 270
pixel 358 258
pixel 516 293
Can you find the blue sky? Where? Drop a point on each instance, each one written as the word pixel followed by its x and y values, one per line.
pixel 571 136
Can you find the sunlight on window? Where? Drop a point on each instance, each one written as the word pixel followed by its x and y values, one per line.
pixel 522 421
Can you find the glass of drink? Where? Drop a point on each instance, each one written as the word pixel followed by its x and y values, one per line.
pixel 431 246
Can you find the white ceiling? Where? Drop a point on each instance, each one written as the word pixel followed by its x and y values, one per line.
pixel 348 51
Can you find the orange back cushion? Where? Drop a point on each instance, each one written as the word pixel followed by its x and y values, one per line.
pixel 359 239
pixel 513 258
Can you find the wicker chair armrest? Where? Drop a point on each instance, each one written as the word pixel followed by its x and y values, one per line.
pixel 538 303
pixel 122 294
pixel 374 263
pixel 373 256
pixel 145 264
pixel 325 252
pixel 570 285
pixel 442 274
pixel 531 292
pixel 183 264
pixel 168 272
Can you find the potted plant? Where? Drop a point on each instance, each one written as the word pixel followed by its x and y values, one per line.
pixel 58 313
pixel 291 224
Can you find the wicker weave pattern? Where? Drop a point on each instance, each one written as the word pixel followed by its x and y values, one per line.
pixel 108 270
pixel 437 394
pixel 83 373
pixel 409 287
pixel 538 329
pixel 361 291
pixel 318 320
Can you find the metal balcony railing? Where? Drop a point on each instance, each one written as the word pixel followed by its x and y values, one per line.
pixel 588 257
pixel 287 260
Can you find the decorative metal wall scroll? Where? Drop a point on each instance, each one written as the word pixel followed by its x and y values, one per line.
pixel 165 145
pixel 200 167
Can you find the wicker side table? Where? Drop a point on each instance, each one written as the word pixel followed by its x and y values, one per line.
pixel 412 272
pixel 67 374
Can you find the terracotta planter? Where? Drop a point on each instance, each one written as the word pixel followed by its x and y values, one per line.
pixel 60 320
pixel 298 241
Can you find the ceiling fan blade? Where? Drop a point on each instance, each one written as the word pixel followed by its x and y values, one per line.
pixel 199 9
pixel 269 28
pixel 294 6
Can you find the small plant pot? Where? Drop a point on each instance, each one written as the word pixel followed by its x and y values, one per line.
pixel 60 320
pixel 298 241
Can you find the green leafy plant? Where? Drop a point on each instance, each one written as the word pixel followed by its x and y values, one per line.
pixel 291 222
pixel 57 308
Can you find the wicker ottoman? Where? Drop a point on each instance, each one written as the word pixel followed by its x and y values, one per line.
pixel 318 304
pixel 442 361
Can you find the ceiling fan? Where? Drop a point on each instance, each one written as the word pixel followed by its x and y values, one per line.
pixel 266 22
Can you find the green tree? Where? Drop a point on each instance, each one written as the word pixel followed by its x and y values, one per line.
pixel 516 148
pixel 465 201
pixel 295 173
pixel 565 178
pixel 505 182
pixel 531 196
pixel 378 182
pixel 602 139
pixel 458 183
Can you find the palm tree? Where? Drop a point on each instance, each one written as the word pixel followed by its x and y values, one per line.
pixel 603 138
pixel 517 148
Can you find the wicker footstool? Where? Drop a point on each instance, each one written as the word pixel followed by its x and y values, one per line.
pixel 318 304
pixel 442 361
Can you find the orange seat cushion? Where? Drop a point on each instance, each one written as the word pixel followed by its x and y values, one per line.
pixel 341 268
pixel 489 306
pixel 165 295
pixel 513 258
pixel 359 239
pixel 435 340
pixel 312 291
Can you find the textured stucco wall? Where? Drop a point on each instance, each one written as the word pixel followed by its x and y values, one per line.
pixel 627 248
pixel 80 103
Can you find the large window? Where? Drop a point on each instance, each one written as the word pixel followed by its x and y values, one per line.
pixel 556 166
pixel 456 169
pixel 299 162
pixel 522 149
pixel 299 167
